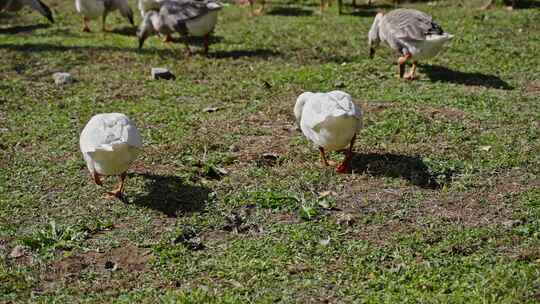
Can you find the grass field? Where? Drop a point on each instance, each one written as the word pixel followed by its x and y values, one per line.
pixel 232 206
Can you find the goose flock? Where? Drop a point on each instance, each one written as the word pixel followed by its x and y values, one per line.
pixel 110 142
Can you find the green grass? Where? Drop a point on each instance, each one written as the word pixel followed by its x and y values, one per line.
pixel 443 204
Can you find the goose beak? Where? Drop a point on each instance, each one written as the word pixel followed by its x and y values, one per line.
pixel 371 52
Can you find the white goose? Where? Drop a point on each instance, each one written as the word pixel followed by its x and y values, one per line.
pixel 92 9
pixel 413 34
pixel 331 121
pixel 109 143
pixel 187 17
pixel 16 5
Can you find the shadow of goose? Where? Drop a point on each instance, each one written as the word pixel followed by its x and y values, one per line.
pixel 125 31
pixel 289 11
pixel 440 73
pixel 527 4
pixel 364 10
pixel 411 168
pixel 260 53
pixel 47 47
pixel 23 28
pixel 171 196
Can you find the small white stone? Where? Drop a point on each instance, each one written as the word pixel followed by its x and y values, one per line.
pixel 511 223
pixel 17 252
pixel 62 78
pixel 210 109
pixel 484 148
pixel 325 242
pixel 162 73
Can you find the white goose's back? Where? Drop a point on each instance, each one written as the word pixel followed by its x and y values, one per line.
pixel 109 143
pixel 329 120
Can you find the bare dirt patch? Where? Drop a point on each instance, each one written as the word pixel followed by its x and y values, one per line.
pixel 443 113
pixel 486 206
pixel 275 142
pixel 533 88
pixel 127 259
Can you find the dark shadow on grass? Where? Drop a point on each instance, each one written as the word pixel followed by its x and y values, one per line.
pixel 364 10
pixel 411 168
pixel 261 53
pixel 196 40
pixel 125 31
pixel 290 11
pixel 46 47
pixel 440 73
pixel 523 4
pixel 23 28
pixel 170 195
pixel 528 4
pixel 7 15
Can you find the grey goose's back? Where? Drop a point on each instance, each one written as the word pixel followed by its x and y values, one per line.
pixel 408 24
pixel 185 10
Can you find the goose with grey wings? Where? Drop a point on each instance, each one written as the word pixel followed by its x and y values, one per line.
pixel 411 33
pixel 187 17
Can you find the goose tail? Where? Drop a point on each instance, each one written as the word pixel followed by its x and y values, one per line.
pixel 442 37
pixel 114 146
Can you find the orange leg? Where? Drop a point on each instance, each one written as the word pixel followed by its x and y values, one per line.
pixel 256 12
pixel 168 38
pixel 345 167
pixel 86 28
pixel 401 64
pixel 97 178
pixel 103 26
pixel 412 74
pixel 323 157
pixel 117 192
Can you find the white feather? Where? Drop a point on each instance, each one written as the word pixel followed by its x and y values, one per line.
pixel 428 48
pixel 329 120
pixel 109 143
pixel 148 5
pixel 202 25
pixel 90 8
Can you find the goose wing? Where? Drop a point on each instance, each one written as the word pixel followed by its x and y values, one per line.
pixel 105 131
pixel 183 10
pixel 409 24
pixel 148 5
pixel 322 106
